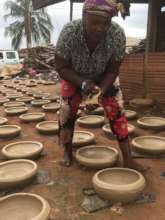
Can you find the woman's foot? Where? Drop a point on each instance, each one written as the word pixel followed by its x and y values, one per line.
pixel 67 159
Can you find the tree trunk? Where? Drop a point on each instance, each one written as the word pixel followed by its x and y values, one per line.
pixel 28 28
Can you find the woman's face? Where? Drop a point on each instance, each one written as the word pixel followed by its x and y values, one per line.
pixel 96 26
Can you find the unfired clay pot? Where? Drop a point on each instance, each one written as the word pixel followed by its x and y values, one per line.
pixel 3 100
pixel 151 122
pixel 51 97
pixel 16 172
pixel 24 206
pixel 51 107
pixel 130 114
pixel 22 150
pixel 14 96
pixel 141 102
pixel 3 120
pixel 16 110
pixel 48 127
pixel 25 99
pixel 9 131
pixel 106 128
pixel 149 144
pixel 48 82
pixel 91 121
pixel 97 111
pixel 97 156
pixel 39 102
pixel 32 117
pixel 13 104
pixel 83 138
pixel 119 184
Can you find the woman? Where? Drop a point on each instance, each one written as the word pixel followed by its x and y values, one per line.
pixel 88 54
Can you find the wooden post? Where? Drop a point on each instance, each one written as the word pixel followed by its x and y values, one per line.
pixel 71 10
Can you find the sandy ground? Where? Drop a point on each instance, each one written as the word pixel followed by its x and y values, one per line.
pixel 64 190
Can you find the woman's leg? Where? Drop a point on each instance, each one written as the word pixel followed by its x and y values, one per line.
pixel 70 101
pixel 113 106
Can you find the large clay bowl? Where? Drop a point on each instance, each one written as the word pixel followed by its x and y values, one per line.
pixel 31 85
pixel 119 184
pixel 97 111
pixel 48 127
pixel 141 102
pixel 51 107
pixel 149 144
pixel 91 121
pixel 48 82
pixel 25 99
pixel 106 128
pixel 32 117
pixel 22 150
pixel 16 172
pixel 13 104
pixel 24 206
pixel 38 95
pixel 16 110
pixel 4 100
pixel 83 138
pixel 39 102
pixel 9 131
pixel 3 120
pixel 14 96
pixel 151 122
pixel 51 97
pixel 97 156
pixel 130 114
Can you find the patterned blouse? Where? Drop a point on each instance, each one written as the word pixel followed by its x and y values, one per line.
pixel 72 47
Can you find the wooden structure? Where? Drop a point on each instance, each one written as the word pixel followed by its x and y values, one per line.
pixel 156 18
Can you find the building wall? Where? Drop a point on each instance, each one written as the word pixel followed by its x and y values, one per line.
pixel 131 76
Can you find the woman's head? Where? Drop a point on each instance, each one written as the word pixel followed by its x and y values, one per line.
pixel 97 16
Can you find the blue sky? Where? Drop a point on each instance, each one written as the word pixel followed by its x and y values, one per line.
pixel 134 26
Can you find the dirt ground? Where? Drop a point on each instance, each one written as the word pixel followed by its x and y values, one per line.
pixel 64 191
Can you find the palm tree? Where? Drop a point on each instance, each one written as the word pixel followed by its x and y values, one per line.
pixel 36 26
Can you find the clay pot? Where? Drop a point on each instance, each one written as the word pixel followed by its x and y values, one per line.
pixel 151 122
pixel 25 99
pixel 48 82
pixel 51 107
pixel 32 117
pixel 97 156
pixel 48 127
pixel 21 206
pixel 16 110
pixel 106 128
pixel 22 150
pixel 130 114
pixel 51 97
pixel 149 145
pixel 141 103
pixel 39 102
pixel 91 121
pixel 3 120
pixel 119 184
pixel 13 104
pixel 97 111
pixel 3 100
pixel 14 96
pixel 16 173
pixel 83 138
pixel 9 131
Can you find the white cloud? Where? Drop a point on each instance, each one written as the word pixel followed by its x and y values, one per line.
pixel 134 26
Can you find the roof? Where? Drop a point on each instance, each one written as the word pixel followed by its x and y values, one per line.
pixel 43 3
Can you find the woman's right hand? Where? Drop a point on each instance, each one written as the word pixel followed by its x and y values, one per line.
pixel 88 88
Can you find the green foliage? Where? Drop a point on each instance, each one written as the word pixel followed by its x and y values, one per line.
pixel 35 26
